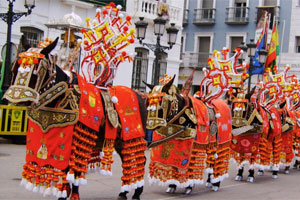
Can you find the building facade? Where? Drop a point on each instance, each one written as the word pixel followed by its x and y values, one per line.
pixel 214 24
pixel 35 28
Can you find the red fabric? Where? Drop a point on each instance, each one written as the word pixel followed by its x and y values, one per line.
pixel 57 141
pixel 297 131
pixel 202 121
pixel 90 106
pixel 287 144
pixel 129 112
pixel 277 124
pixel 224 121
pixel 175 152
pixel 110 131
pixel 245 143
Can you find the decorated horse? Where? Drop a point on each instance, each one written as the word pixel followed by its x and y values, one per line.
pixel 75 123
pixel 190 135
pixel 250 123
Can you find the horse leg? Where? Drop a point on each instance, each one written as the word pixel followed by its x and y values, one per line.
pixel 75 193
pixel 251 176
pixel 216 186
pixel 208 181
pixel 260 172
pixel 137 193
pixel 239 176
pixel 188 190
pixel 296 164
pixel 286 170
pixel 171 189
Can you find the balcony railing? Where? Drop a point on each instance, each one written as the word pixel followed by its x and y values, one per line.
pixel 237 15
pixel 185 17
pixel 204 16
pixel 195 60
pixel 149 10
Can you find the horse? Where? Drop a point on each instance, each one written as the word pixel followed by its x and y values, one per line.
pixel 75 127
pixel 188 137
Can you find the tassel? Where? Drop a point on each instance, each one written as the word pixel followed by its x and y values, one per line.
pixel 64 194
pixel 70 177
pixel 35 189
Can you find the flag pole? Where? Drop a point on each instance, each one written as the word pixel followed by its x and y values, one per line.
pixel 283 28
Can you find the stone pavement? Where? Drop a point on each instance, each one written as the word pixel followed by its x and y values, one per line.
pixel 12 158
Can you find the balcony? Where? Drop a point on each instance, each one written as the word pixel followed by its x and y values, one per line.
pixel 195 60
pixel 149 10
pixel 274 10
pixel 185 20
pixel 237 15
pixel 204 16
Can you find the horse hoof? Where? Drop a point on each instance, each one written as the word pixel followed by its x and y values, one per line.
pixel 215 188
pixel 238 178
pixel 170 190
pixel 250 179
pixel 188 191
pixel 209 185
pixel 260 173
pixel 274 176
pixel 286 171
pixel 74 196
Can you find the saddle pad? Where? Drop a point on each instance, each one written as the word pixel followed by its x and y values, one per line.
pixel 90 105
pixel 50 148
pixel 129 112
pixel 176 152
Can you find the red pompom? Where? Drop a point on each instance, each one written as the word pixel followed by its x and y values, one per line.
pixel 105 12
pixel 82 30
pixel 26 62
pixel 35 61
pixel 20 61
pixel 128 18
pixel 112 4
pixel 131 40
pixel 125 28
pixel 124 53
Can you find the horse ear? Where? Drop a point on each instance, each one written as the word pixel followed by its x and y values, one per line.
pixel 25 43
pixel 169 84
pixel 49 48
pixel 149 85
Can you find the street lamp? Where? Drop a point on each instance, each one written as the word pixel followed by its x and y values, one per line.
pixel 262 55
pixel 244 48
pixel 159 27
pixel 251 48
pixel 10 17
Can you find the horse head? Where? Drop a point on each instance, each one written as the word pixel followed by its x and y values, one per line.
pixel 163 103
pixel 34 73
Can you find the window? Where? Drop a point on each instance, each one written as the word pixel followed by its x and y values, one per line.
pixel 270 2
pixel 235 42
pixel 298 44
pixel 160 70
pixel 240 8
pixel 33 35
pixel 203 51
pixel 140 68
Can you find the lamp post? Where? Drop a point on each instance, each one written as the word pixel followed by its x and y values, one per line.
pixel 251 48
pixel 10 17
pixel 159 27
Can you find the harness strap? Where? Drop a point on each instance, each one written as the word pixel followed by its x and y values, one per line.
pixel 181 112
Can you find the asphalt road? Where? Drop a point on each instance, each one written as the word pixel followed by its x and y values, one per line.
pixel 105 188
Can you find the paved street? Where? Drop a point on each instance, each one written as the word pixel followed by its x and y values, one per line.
pixel 105 188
